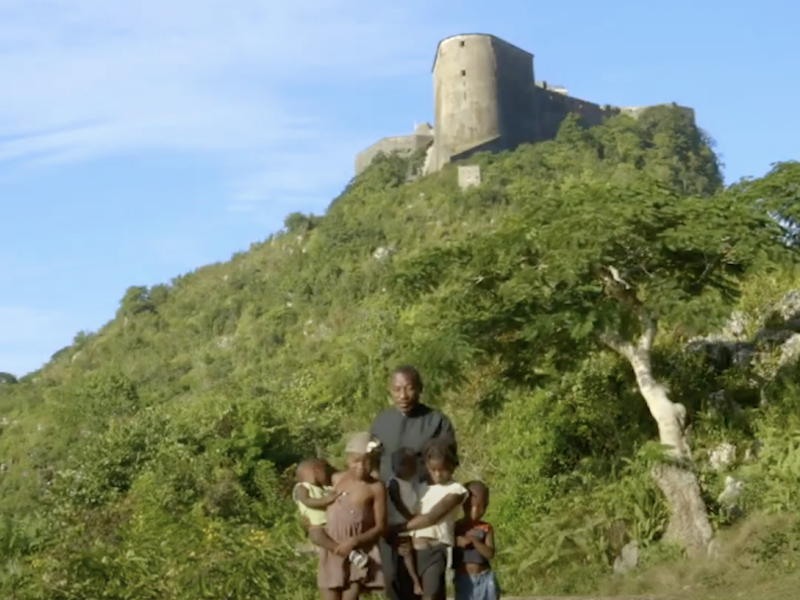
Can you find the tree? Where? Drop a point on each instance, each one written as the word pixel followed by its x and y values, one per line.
pixel 7 379
pixel 298 222
pixel 601 265
pixel 135 301
pixel 779 194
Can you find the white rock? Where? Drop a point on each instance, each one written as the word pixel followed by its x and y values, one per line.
pixel 628 558
pixel 790 350
pixel 722 456
pixel 731 493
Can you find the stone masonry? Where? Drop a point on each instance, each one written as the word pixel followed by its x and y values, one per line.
pixel 485 98
pixel 468 176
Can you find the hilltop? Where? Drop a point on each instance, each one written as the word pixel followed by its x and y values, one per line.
pixel 152 458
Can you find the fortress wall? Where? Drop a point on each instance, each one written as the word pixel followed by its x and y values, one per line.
pixel 553 108
pixel 402 144
pixel 485 99
pixel 494 145
pixel 516 93
pixel 464 95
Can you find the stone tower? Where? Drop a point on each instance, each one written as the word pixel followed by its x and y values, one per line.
pixel 483 96
pixel 485 99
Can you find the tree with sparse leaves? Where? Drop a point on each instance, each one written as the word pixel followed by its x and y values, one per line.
pixel 599 264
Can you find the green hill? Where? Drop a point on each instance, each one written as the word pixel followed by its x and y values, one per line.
pixel 152 458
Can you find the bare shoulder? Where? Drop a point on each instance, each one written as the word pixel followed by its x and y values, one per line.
pixel 377 487
pixel 338 477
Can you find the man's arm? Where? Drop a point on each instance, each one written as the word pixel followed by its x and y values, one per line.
pixel 447 431
pixel 375 428
pixel 397 500
pixel 314 503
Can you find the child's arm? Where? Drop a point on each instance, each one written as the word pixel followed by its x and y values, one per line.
pixel 437 513
pixel 394 497
pixel 485 547
pixel 314 503
pixel 462 541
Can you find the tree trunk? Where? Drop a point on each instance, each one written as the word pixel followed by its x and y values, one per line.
pixel 688 524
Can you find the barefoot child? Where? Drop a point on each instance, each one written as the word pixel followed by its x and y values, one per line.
pixel 474 548
pixel 313 494
pixel 402 502
pixel 434 528
pixel 356 521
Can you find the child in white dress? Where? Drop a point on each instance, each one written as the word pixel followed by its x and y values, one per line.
pixel 433 528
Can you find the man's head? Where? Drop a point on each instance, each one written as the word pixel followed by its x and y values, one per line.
pixel 405 387
pixel 477 501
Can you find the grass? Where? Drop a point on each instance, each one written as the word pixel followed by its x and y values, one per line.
pixel 757 559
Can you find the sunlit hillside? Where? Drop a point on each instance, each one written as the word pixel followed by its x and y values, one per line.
pixel 151 459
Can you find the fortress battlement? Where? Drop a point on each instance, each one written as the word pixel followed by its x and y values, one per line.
pixel 486 98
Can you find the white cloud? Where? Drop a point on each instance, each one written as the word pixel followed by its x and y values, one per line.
pixel 89 77
pixel 244 82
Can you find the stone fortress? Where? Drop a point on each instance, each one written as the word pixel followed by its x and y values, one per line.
pixel 485 98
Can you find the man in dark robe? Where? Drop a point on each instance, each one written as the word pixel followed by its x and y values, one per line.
pixel 408 424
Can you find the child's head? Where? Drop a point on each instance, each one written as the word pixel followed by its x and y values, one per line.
pixel 440 460
pixel 359 451
pixel 477 501
pixel 404 463
pixel 314 471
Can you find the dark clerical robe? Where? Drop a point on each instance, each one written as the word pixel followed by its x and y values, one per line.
pixel 396 430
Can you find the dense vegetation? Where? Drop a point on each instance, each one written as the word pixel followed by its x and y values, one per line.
pixel 152 459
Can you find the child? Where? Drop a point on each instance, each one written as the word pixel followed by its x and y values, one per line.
pixel 474 549
pixel 402 502
pixel 434 527
pixel 356 520
pixel 313 494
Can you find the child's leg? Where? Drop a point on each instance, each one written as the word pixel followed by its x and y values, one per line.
pixel 406 550
pixel 320 537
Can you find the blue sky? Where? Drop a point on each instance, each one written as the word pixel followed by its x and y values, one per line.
pixel 140 140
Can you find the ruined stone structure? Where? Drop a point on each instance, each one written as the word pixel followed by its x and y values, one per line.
pixel 485 98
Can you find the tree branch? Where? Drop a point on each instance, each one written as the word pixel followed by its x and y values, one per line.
pixel 614 340
pixel 625 294
pixel 649 327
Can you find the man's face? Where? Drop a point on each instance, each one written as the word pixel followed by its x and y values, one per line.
pixel 405 392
